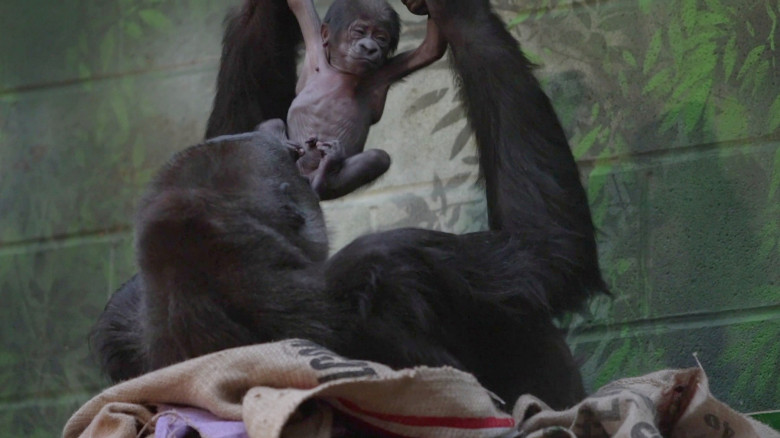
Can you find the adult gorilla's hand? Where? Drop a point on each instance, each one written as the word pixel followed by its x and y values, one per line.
pixel 416 7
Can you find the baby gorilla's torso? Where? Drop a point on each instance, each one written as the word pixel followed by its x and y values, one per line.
pixel 328 109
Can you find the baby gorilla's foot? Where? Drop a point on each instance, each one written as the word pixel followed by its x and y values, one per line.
pixel 310 157
pixel 333 156
pixel 332 161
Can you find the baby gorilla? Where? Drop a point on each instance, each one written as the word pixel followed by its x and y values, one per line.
pixel 343 86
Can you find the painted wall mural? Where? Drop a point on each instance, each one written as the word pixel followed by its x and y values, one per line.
pixel 672 108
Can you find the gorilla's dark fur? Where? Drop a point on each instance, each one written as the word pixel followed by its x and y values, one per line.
pixel 232 246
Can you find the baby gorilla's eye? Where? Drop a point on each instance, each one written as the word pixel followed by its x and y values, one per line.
pixel 383 40
pixel 358 31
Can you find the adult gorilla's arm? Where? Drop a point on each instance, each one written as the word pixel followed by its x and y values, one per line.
pixel 257 70
pixel 532 182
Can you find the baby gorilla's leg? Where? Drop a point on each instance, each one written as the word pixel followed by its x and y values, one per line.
pixel 338 175
pixel 325 177
pixel 333 156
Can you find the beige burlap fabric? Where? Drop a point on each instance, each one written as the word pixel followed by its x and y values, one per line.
pixel 669 403
pixel 264 385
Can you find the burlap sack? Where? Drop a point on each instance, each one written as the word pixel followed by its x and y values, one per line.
pixel 263 385
pixel 670 403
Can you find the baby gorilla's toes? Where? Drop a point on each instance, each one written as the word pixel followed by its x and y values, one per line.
pixel 332 155
pixel 330 148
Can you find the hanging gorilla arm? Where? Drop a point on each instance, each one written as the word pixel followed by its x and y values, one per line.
pixel 531 180
pixel 257 68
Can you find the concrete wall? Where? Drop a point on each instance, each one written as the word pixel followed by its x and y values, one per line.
pixel 671 106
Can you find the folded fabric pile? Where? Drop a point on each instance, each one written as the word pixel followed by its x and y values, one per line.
pixel 295 388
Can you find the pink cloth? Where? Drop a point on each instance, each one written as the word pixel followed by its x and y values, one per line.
pixel 176 421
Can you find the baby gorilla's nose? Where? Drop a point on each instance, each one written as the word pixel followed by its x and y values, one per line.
pixel 370 49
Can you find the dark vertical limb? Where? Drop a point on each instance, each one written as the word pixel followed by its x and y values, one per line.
pixel 257 72
pixel 532 183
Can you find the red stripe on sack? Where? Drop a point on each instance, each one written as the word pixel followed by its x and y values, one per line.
pixel 360 427
pixel 453 422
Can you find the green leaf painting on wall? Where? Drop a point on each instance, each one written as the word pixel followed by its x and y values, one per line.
pixel 685 107
pixel 83 124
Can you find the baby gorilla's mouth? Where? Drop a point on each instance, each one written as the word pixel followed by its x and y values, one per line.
pixel 366 60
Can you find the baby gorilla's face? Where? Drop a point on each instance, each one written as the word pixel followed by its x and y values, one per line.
pixel 361 48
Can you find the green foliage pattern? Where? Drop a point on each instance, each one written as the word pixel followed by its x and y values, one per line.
pixel 682 125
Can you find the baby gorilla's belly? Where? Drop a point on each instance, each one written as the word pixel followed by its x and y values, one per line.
pixel 336 120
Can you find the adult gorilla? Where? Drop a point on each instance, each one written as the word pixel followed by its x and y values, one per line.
pixel 232 246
